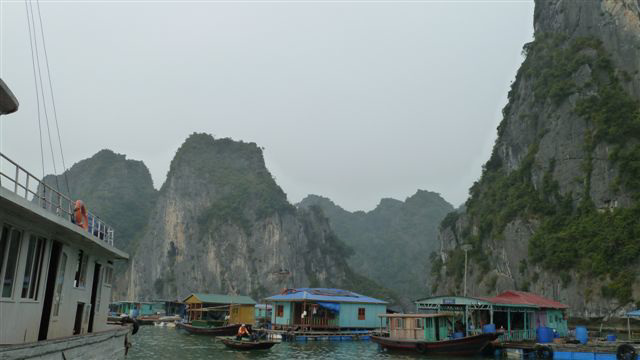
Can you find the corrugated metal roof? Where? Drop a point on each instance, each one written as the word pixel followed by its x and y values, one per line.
pixel 223 299
pixel 513 297
pixel 324 294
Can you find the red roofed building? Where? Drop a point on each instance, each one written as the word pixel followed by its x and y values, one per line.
pixel 515 314
pixel 513 297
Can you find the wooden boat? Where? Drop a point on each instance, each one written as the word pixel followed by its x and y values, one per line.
pixel 228 330
pixel 465 346
pixel 429 334
pixel 248 344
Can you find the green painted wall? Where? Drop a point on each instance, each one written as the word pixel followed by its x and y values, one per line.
pixel 259 313
pixel 429 330
pixel 286 315
pixel 349 315
pixel 555 320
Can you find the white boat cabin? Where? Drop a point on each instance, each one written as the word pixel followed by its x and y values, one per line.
pixel 419 327
pixel 56 276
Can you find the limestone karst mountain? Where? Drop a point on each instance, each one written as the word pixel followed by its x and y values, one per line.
pixel 556 208
pixel 392 243
pixel 117 189
pixel 221 224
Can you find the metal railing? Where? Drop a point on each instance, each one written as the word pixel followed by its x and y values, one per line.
pixel 518 335
pixel 317 322
pixel 24 184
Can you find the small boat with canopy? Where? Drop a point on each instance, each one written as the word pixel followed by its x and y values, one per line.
pixel 434 334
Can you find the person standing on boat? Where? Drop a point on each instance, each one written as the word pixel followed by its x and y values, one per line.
pixel 242 332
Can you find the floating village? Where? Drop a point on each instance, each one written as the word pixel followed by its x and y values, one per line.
pixel 57 260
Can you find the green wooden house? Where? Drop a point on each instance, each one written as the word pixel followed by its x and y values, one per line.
pixel 516 314
pixel 321 309
pixel 137 308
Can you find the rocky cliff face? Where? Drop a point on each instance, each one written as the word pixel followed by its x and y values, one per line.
pixel 556 208
pixel 221 224
pixel 392 242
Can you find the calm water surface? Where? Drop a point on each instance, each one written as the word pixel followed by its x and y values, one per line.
pixel 153 342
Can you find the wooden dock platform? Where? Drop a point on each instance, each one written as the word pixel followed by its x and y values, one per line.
pixel 593 350
pixel 354 335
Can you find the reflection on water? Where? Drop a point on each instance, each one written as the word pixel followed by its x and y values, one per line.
pixel 153 342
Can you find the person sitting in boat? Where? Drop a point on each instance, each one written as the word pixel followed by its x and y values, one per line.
pixel 242 332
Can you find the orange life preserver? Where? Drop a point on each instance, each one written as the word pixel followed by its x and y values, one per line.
pixel 80 215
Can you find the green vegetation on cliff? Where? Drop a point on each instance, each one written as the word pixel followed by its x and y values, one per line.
pixel 573 234
pixel 118 190
pixel 239 180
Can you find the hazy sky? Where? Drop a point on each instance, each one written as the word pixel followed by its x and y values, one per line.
pixel 353 100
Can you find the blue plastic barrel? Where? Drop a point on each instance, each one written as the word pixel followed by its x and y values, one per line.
pixel 489 328
pixel 611 337
pixel 544 334
pixel 458 335
pixel 581 334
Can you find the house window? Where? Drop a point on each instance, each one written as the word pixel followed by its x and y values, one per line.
pixel 81 270
pixel 280 310
pixel 35 256
pixel 361 313
pixel 398 323
pixel 419 323
pixel 10 251
pixel 108 275
pixel 57 298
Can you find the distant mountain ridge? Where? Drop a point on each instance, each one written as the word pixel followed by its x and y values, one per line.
pixel 219 223
pixel 118 190
pixel 392 243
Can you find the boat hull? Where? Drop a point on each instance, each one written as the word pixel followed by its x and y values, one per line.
pixel 247 345
pixel 104 345
pixel 228 330
pixel 470 345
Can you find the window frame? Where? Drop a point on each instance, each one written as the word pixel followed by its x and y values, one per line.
pixel 80 278
pixel 5 261
pixel 280 310
pixel 362 313
pixel 108 276
pixel 58 290
pixel 34 275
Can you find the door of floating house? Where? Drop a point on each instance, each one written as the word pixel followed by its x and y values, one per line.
pixel 556 320
pixel 281 314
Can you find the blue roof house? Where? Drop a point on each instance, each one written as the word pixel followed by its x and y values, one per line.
pixel 321 309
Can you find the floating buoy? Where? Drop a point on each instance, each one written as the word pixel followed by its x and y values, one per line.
pixel 80 215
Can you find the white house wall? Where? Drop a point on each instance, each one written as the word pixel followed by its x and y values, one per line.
pixel 20 318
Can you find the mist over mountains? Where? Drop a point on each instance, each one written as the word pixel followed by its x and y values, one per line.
pixel 392 242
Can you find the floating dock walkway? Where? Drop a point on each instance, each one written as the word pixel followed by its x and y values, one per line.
pixel 355 335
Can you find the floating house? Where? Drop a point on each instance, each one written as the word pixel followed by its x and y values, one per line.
pixel 263 313
pixel 172 308
pixel 137 308
pixel 214 309
pixel 321 309
pixel 515 313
